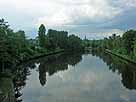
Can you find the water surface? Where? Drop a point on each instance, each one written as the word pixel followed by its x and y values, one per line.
pixel 79 78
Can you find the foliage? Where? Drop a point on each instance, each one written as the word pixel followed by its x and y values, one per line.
pixel 125 45
pixel 129 38
pixel 74 42
pixel 16 47
pixel 42 36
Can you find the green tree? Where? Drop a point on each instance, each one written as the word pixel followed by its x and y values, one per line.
pixel 16 47
pixel 128 38
pixel 57 39
pixel 5 56
pixel 74 43
pixel 42 36
pixel 134 51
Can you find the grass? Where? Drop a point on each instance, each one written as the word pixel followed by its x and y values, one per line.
pixel 5 85
pixel 125 57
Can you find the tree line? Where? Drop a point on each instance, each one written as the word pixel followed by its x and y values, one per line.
pixel 58 40
pixel 125 44
pixel 15 46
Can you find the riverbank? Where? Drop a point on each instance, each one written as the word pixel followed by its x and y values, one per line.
pixel 120 56
pixel 49 54
pixel 6 90
pixel 43 55
pixel 6 78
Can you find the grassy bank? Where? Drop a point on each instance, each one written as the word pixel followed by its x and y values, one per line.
pixel 6 90
pixel 43 55
pixel 120 56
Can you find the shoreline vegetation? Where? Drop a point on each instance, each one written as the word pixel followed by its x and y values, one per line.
pixel 122 46
pixel 43 55
pixel 15 47
pixel 120 56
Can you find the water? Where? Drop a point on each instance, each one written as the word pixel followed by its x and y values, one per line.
pixel 94 77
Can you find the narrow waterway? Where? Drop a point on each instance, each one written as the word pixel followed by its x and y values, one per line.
pixel 79 78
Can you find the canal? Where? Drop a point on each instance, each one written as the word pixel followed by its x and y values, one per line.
pixel 76 77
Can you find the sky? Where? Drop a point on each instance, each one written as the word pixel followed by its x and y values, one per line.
pixel 91 18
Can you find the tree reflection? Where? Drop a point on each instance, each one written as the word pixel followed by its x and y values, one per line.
pixel 125 69
pixel 50 65
pixel 54 64
pixel 19 81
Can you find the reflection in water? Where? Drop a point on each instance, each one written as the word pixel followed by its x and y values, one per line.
pixel 56 63
pixel 50 65
pixel 125 69
pixel 19 81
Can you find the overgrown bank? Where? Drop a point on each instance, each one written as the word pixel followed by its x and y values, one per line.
pixel 15 47
pixel 120 56
pixel 124 46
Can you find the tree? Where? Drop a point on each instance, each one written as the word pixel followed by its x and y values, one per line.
pixel 52 40
pixel 134 51
pixel 42 36
pixel 57 39
pixel 128 38
pixel 5 56
pixel 74 43
pixel 15 47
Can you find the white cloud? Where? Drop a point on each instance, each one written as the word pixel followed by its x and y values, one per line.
pixel 57 19
pixel 70 12
pixel 62 13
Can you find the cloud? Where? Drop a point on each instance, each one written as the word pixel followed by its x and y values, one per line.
pixel 62 12
pixel 69 14
pixel 123 21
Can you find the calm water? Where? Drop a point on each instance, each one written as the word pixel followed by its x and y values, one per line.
pixel 79 78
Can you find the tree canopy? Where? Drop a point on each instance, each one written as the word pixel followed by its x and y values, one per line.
pixel 16 47
pixel 125 45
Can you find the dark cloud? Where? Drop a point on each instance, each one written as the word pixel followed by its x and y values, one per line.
pixel 125 20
